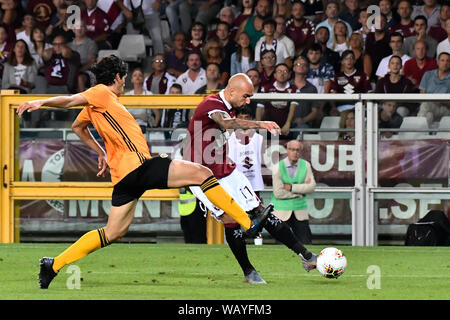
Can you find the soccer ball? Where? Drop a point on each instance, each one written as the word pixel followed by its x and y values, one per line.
pixel 331 263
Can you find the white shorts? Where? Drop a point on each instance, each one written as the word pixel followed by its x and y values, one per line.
pixel 237 186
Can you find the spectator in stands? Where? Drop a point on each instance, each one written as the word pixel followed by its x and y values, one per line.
pixel 5 48
pixel 116 18
pixel 365 28
pixel 314 10
pixel 415 68
pixel 377 45
pixel 436 81
pixel 226 15
pixel 20 69
pixel 444 45
pixel 12 14
pixel 306 112
pixel 282 8
pixel 24 33
pixel 389 118
pixel 292 179
pixel 438 31
pixel 175 118
pixel 268 63
pixel 350 14
pixel 203 11
pixel 332 13
pixel 213 84
pixel 253 26
pixel 245 11
pixel 152 25
pixel 319 74
pixel 256 112
pixel 363 61
pixel 349 80
pixel 394 81
pixel 40 50
pixel 406 25
pixel 268 42
pixel 159 81
pixel 58 25
pixel 329 56
pixel 197 37
pixel 244 58
pixel 227 42
pixel 430 10
pixel 97 24
pixel 176 57
pixel 347 121
pixel 194 78
pixel 172 11
pixel 282 112
pixel 88 50
pixel 340 41
pixel 5 44
pixel 42 10
pixel 420 28
pixel 62 68
pixel 280 35
pixel 300 29
pixel 213 53
pixel 386 9
pixel 143 115
pixel 396 44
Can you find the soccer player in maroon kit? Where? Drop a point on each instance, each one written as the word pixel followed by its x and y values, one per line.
pixel 206 143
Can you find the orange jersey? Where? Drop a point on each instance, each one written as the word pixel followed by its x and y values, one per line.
pixel 126 147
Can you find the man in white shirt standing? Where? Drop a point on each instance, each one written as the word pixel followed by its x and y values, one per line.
pixel 194 78
pixel 396 44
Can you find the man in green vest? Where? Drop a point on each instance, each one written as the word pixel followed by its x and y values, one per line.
pixel 292 179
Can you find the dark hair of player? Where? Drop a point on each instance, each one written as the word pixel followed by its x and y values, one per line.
pixel 106 69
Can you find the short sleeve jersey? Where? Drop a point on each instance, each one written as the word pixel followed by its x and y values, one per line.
pixel 125 144
pixel 206 143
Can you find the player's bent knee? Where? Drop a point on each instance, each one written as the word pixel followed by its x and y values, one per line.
pixel 204 173
pixel 115 235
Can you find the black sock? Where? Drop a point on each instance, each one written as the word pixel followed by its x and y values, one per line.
pixel 283 233
pixel 236 242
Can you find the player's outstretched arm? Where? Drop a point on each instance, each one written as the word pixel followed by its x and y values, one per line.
pixel 62 102
pixel 234 123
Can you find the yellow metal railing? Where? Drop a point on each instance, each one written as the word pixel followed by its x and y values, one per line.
pixel 12 189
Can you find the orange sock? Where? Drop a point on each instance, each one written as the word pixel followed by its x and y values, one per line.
pixel 89 242
pixel 220 198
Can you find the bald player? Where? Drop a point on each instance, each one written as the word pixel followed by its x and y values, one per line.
pixel 206 143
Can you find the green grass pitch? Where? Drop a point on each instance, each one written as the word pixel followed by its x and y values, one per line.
pixel 209 272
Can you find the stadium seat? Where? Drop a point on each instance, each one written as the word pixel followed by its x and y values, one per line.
pixel 414 123
pixel 329 123
pixel 71 136
pixel 444 124
pixel 132 47
pixel 311 136
pixel 105 53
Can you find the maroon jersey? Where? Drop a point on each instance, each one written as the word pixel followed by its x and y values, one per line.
pixel 302 36
pixel 405 30
pixel 96 23
pixel 278 111
pixel 206 143
pixel 356 82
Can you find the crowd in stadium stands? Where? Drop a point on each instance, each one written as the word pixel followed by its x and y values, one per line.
pixel 306 46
